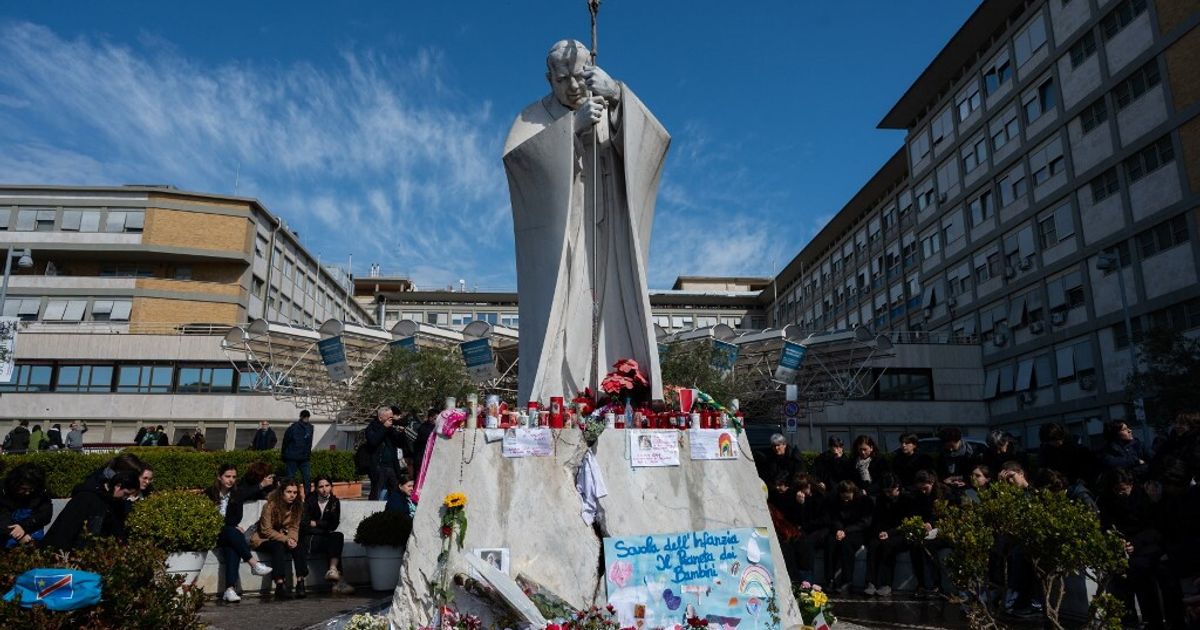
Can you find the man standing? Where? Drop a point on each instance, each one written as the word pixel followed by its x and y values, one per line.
pixel 161 438
pixel 583 165
pixel 297 449
pixel 382 438
pixel 75 435
pixel 264 437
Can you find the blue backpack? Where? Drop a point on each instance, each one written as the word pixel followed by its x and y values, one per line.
pixel 56 589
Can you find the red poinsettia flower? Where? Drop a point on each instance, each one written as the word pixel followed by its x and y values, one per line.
pixel 626 366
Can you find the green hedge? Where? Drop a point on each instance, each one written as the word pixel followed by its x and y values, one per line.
pixel 174 468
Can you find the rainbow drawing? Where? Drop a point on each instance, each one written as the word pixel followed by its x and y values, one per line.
pixel 755 578
pixel 725 445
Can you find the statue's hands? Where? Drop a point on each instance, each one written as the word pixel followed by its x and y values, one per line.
pixel 589 113
pixel 601 84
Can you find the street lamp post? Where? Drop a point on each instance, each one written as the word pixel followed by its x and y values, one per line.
pixel 24 261
pixel 1111 262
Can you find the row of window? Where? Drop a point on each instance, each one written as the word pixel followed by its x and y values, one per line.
pixel 50 309
pixel 1069 363
pixel 124 378
pixel 118 220
pixel 1178 317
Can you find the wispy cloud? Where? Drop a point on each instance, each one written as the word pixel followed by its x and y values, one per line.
pixel 377 154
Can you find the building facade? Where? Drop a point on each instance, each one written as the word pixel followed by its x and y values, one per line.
pixel 1045 137
pixel 130 293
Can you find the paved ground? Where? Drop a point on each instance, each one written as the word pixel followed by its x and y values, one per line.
pixel 255 613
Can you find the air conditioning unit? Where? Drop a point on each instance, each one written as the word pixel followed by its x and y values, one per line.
pixel 928 313
pixel 1028 398
pixel 942 198
pixel 1010 272
pixel 1037 328
pixel 1026 264
pixel 1058 318
pixel 1000 339
pixel 951 302
pixel 1087 383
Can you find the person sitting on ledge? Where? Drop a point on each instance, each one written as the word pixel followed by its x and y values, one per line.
pixel 319 535
pixel 278 535
pixel 232 548
pixel 95 510
pixel 25 507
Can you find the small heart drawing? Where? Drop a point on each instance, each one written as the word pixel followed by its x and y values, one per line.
pixel 673 601
pixel 619 573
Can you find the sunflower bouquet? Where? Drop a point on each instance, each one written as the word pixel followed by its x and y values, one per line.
pixel 454 520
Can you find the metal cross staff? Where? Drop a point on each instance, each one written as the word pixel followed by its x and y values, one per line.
pixel 593 9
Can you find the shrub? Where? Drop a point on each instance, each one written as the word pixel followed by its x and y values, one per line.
pixel 384 529
pixel 174 468
pixel 176 521
pixel 137 591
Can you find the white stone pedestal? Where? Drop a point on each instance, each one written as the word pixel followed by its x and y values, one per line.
pixel 530 506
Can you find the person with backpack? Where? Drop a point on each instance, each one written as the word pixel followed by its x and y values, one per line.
pixel 17 440
pixel 297 449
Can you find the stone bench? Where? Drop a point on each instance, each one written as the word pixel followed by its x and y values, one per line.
pixel 354 556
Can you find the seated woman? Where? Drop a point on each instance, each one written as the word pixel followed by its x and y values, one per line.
pixel 232 548
pixel 868 464
pixel 94 510
pixel 319 535
pixel 25 507
pixel 278 535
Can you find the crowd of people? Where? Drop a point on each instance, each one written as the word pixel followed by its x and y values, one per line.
pixel 299 518
pixel 846 502
pixel 22 439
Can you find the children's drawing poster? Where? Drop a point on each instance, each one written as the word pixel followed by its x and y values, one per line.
pixel 713 444
pixel 660 580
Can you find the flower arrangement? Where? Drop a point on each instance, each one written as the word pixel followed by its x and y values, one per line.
pixel 912 529
pixel 454 518
pixel 594 618
pixel 367 621
pixel 626 381
pixel 813 602
pixel 453 620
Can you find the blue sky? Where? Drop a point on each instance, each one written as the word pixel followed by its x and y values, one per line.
pixel 375 128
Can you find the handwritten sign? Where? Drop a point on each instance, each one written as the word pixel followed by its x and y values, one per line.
pixel 653 447
pixel 713 444
pixel 659 580
pixel 523 442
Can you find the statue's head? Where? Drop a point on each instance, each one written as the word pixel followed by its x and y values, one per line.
pixel 565 64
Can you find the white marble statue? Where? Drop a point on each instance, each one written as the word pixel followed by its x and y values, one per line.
pixel 548 159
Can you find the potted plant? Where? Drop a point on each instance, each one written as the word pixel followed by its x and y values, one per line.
pixel 384 535
pixel 181 523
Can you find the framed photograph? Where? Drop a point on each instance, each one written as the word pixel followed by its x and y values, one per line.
pixel 495 556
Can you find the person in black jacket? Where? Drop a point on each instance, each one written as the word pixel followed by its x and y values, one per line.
pixel 867 465
pixel 1059 451
pixel 884 541
pixel 17 440
pixel 1003 448
pixel 296 450
pixel 1128 510
pixel 849 520
pixel 1123 451
pixel 25 507
pixel 382 439
pixel 808 512
pixel 957 458
pixel 230 498
pixel 54 437
pixel 832 466
pixel 779 460
pixel 907 461
pixel 92 510
pixel 926 556
pixel 318 531
pixel 264 437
